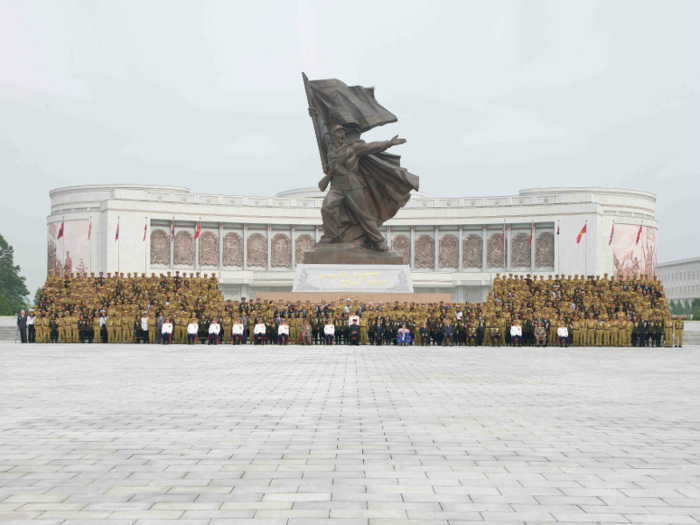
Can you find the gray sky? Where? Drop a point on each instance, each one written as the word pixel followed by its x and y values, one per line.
pixel 493 97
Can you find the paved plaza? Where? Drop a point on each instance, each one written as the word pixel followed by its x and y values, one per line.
pixel 352 435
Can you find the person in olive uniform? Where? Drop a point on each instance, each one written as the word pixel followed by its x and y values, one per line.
pixel 678 327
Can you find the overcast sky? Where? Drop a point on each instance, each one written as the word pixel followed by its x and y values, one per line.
pixel 493 97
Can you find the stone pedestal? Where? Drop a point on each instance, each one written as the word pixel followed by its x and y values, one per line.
pixel 350 254
pixel 362 278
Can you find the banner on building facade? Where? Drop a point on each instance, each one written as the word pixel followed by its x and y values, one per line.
pixel 68 254
pixel 634 253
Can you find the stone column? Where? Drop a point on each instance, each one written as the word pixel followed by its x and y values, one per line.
pixel 245 247
pixel 294 248
pixel 460 264
pixel 413 248
pixel 484 249
pixel 269 247
pixel 437 250
pixel 388 236
pixel 317 235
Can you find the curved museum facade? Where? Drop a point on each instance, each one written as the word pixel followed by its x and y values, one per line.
pixel 452 244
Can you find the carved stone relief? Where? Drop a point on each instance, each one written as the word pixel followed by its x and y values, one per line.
pixel 160 247
pixel 257 250
pixel 183 252
pixel 233 249
pixel 304 243
pixel 208 249
pixel 521 251
pixel 473 251
pixel 449 252
pixel 544 250
pixel 402 244
pixel 281 251
pixel 495 257
pixel 425 252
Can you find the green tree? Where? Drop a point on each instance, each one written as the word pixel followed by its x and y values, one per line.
pixel 687 310
pixel 13 290
pixel 37 294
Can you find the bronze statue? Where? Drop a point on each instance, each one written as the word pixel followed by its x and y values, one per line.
pixel 368 186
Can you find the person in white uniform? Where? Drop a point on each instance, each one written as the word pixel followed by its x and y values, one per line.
pixel 192 330
pixel 237 332
pixel 563 335
pixel 283 333
pixel 214 331
pixel 516 334
pixel 329 332
pixel 167 331
pixel 259 333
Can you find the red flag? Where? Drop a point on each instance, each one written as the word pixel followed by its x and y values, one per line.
pixel 198 230
pixel 639 234
pixel 557 228
pixel 578 239
pixel 612 232
pixel 145 228
pixel 60 232
pixel 116 237
pixel 503 234
pixel 532 228
pixel 172 231
pixel 90 230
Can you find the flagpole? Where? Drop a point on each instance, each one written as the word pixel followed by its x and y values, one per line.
pixel 317 131
pixel 172 243
pixel 119 245
pixel 90 246
pixel 504 248
pixel 145 248
pixel 612 240
pixel 585 253
pixel 63 247
pixel 558 247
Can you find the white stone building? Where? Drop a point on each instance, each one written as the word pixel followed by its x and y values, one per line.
pixel 452 244
pixel 681 279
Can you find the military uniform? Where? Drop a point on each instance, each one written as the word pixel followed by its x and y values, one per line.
pixel 110 329
pixel 678 327
pixel 575 332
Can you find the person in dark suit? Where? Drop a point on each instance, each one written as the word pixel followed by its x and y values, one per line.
pixel 379 332
pixel 22 326
pixel 642 332
pixel 354 333
pixel 424 335
pixel 447 333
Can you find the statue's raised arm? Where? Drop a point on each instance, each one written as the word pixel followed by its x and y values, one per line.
pixel 365 148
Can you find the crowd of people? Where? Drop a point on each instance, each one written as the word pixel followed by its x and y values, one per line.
pixel 520 310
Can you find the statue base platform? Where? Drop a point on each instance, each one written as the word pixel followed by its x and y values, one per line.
pixel 357 278
pixel 350 254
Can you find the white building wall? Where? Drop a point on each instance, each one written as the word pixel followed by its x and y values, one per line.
pixel 681 279
pixel 299 210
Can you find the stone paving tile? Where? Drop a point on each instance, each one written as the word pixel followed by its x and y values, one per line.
pixel 129 435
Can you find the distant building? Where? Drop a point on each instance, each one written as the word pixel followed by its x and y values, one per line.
pixel 681 279
pixel 253 243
